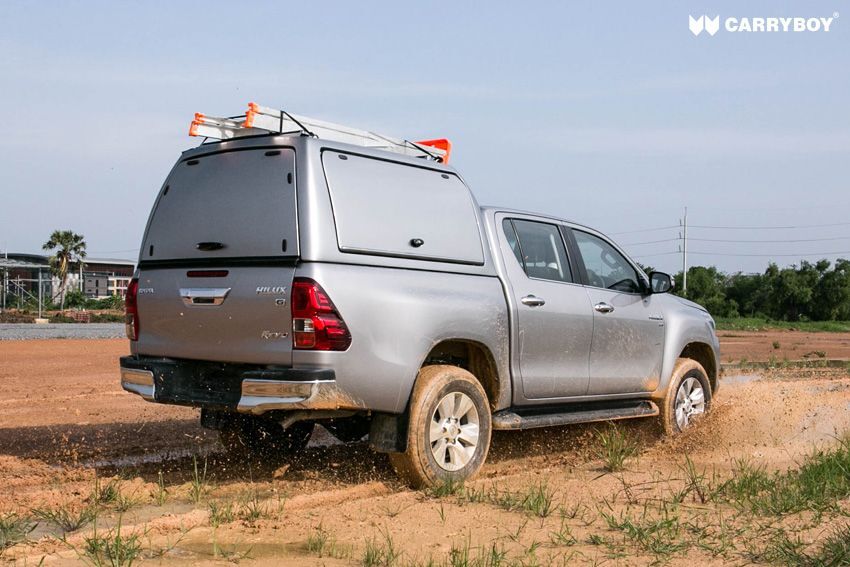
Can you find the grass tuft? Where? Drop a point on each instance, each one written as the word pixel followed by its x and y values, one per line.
pixel 199 486
pixel 467 556
pixel 660 535
pixel 14 529
pixel 445 487
pixel 112 548
pixel 614 447
pixel 322 544
pixel 537 499
pixel 381 554
pixel 67 518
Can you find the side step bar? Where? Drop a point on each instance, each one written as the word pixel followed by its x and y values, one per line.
pixel 525 419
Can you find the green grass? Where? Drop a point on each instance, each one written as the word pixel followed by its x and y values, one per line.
pixel 67 518
pixel 104 494
pixel 383 554
pixel 537 500
pixel 467 556
pixel 445 487
pixel 111 548
pixel 763 324
pixel 322 544
pixel 221 513
pixel 821 481
pixel 786 549
pixel 199 484
pixel 14 529
pixel 660 536
pixel 614 446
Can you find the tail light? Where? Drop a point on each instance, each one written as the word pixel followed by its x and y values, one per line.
pixel 316 323
pixel 131 310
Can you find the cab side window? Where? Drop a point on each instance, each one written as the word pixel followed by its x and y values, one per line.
pixel 539 249
pixel 606 267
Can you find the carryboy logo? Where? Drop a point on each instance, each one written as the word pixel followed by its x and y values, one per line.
pixel 758 25
pixel 704 22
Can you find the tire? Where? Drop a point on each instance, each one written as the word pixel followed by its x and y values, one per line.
pixel 683 402
pixel 443 442
pixel 257 437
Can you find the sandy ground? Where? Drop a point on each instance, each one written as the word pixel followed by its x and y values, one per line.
pixel 67 430
pixel 782 345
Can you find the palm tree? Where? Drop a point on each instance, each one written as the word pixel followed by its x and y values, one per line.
pixel 70 248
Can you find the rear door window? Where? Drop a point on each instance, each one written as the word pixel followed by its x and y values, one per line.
pixel 539 248
pixel 393 209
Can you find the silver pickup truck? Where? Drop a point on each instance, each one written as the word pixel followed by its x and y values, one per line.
pixel 287 279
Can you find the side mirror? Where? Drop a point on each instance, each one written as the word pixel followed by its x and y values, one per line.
pixel 660 282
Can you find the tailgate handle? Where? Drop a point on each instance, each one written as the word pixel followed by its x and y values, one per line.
pixel 209 246
pixel 204 295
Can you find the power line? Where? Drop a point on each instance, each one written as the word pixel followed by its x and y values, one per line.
pixel 652 242
pixel 789 227
pixel 646 230
pixel 659 254
pixel 774 255
pixel 767 241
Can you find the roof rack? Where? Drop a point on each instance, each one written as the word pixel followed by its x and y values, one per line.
pixel 262 120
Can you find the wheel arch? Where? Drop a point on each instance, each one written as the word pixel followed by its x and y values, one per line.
pixel 388 432
pixel 478 360
pixel 704 354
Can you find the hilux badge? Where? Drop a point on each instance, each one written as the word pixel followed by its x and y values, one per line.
pixel 271 290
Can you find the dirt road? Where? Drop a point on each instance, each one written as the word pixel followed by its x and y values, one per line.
pixel 71 441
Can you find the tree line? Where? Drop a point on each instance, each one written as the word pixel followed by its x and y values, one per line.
pixel 817 291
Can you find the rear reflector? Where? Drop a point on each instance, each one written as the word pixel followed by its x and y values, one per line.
pixel 316 323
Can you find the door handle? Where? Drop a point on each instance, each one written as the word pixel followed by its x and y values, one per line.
pixel 204 296
pixel 533 301
pixel 603 307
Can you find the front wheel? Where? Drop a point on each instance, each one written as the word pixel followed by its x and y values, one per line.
pixel 688 397
pixel 449 428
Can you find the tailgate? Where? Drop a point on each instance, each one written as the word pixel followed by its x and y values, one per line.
pixel 243 316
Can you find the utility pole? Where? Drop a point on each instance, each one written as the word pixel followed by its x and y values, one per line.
pixel 40 296
pixel 685 251
pixel 5 274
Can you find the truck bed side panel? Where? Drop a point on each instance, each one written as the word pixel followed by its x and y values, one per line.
pixel 396 316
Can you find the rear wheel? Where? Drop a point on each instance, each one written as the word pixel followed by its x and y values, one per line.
pixel 688 397
pixel 252 436
pixel 449 428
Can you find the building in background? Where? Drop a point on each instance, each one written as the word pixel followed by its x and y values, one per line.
pixel 98 278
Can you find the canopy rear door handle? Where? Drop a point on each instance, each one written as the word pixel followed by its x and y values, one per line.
pixel 204 296
pixel 603 307
pixel 533 301
pixel 209 246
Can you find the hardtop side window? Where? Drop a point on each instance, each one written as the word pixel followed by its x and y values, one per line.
pixel 539 249
pixel 605 266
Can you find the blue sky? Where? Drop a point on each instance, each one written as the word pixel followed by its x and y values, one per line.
pixel 609 114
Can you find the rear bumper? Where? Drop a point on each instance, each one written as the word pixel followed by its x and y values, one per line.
pixel 233 387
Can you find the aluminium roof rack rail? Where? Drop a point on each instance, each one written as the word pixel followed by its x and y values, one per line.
pixel 262 120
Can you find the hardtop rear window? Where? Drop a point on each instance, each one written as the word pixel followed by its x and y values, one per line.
pixel 236 204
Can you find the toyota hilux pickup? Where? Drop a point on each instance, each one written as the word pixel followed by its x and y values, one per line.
pixel 295 272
